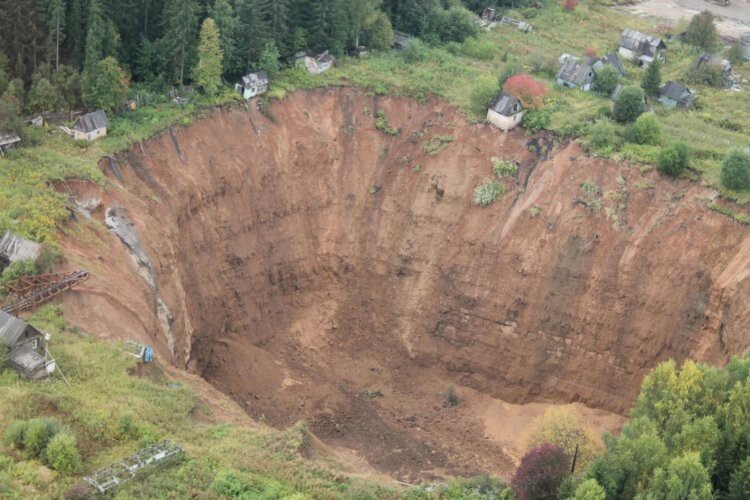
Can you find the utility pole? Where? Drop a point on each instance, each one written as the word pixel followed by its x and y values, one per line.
pixel 575 458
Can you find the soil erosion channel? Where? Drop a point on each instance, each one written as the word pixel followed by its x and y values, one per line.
pixel 317 268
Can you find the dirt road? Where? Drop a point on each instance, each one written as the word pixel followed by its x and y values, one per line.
pixel 734 20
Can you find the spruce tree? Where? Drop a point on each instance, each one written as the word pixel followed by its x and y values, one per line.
pixel 180 18
pixel 228 25
pixel 253 31
pixel 652 79
pixel 276 14
pixel 210 58
pixel 95 34
pixel 56 23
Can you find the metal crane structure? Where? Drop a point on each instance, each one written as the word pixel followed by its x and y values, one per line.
pixel 30 291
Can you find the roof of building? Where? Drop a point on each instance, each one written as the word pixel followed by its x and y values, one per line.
pixel 506 105
pixel 92 121
pixel 401 39
pixel 325 57
pixel 613 59
pixel 14 248
pixel 7 139
pixel 26 358
pixel 575 71
pixel 11 328
pixel 255 79
pixel 675 91
pixel 616 93
pixel 640 42
pixel 713 60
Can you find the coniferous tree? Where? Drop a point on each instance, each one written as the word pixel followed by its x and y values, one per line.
pixel 95 35
pixel 105 85
pixel 56 24
pixel 652 79
pixel 276 15
pixel 228 25
pixel 76 31
pixel 253 31
pixel 210 58
pixel 180 22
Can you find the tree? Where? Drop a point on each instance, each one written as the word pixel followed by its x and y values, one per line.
pixel 56 22
pixel 62 454
pixel 735 171
pixel 94 35
pixel 10 112
pixel 228 24
pixel 685 477
pixel 105 86
pixel 43 97
pixel 482 95
pixel 561 427
pixel 603 133
pixel 359 12
pixel 735 54
pixel 210 57
pixel 540 473
pixel 701 31
pixel 739 485
pixel 253 31
pixel 269 60
pixel 646 130
pixel 67 83
pixel 525 88
pixel 275 13
pixel 180 19
pixel 17 89
pixel 674 159
pixel 629 104
pixel 378 31
pixel 652 78
pixel 606 80
pixel 589 489
pixel 455 24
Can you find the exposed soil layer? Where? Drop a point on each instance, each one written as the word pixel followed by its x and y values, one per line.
pixel 316 268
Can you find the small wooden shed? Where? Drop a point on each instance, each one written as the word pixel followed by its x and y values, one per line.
pixel 27 346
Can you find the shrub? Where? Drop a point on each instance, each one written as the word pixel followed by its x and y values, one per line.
pixel 674 159
pixel 62 454
pixel 570 5
pixel 735 54
pixel 606 80
pixel 478 48
pixel 126 427
pixel 540 473
pixel 4 356
pixel 603 133
pixel 15 433
pixel 529 91
pixel 486 193
pixel 735 171
pixel 590 490
pixel 229 484
pixel 629 105
pixel 38 434
pixel 504 168
pixel 18 269
pixel 535 120
pixel 451 397
pixel 381 123
pixel 646 130
pixel 415 51
pixel 706 74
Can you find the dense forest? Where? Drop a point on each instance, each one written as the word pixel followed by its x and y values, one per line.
pixel 59 54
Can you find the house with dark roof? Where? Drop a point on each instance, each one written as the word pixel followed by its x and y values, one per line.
pixel 8 141
pixel 676 95
pixel 720 64
pixel 506 112
pixel 253 84
pixel 315 65
pixel 14 248
pixel 27 346
pixel 576 74
pixel 611 59
pixel 640 48
pixel 91 126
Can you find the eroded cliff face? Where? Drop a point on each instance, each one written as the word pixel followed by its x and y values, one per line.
pixel 316 268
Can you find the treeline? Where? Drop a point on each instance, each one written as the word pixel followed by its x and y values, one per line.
pixel 156 41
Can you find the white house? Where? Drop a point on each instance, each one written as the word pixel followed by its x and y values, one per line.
pixel 91 126
pixel 505 112
pixel 253 84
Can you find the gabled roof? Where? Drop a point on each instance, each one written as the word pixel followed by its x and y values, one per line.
pixel 640 43
pixel 325 57
pixel 255 79
pixel 401 40
pixel 675 91
pixel 576 72
pixel 26 358
pixel 8 139
pixel 613 59
pixel 506 105
pixel 14 248
pixel 11 328
pixel 91 121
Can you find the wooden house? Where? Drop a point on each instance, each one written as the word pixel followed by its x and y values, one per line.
pixel 8 141
pixel 91 126
pixel 576 74
pixel 506 112
pixel 253 84
pixel 14 248
pixel 676 95
pixel 640 48
pixel 27 347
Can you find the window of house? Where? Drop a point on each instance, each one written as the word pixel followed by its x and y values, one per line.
pixel 35 344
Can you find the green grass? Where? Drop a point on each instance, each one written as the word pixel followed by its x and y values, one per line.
pixel 104 394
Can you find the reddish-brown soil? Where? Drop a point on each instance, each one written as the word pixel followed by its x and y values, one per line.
pixel 315 268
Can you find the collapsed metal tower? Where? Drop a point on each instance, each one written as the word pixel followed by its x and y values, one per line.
pixel 31 291
pixel 148 458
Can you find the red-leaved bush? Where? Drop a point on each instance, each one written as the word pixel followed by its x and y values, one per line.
pixel 524 87
pixel 570 4
pixel 591 52
pixel 540 473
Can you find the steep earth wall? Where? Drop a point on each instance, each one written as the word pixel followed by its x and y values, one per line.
pixel 316 268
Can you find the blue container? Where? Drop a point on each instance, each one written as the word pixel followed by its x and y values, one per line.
pixel 148 356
